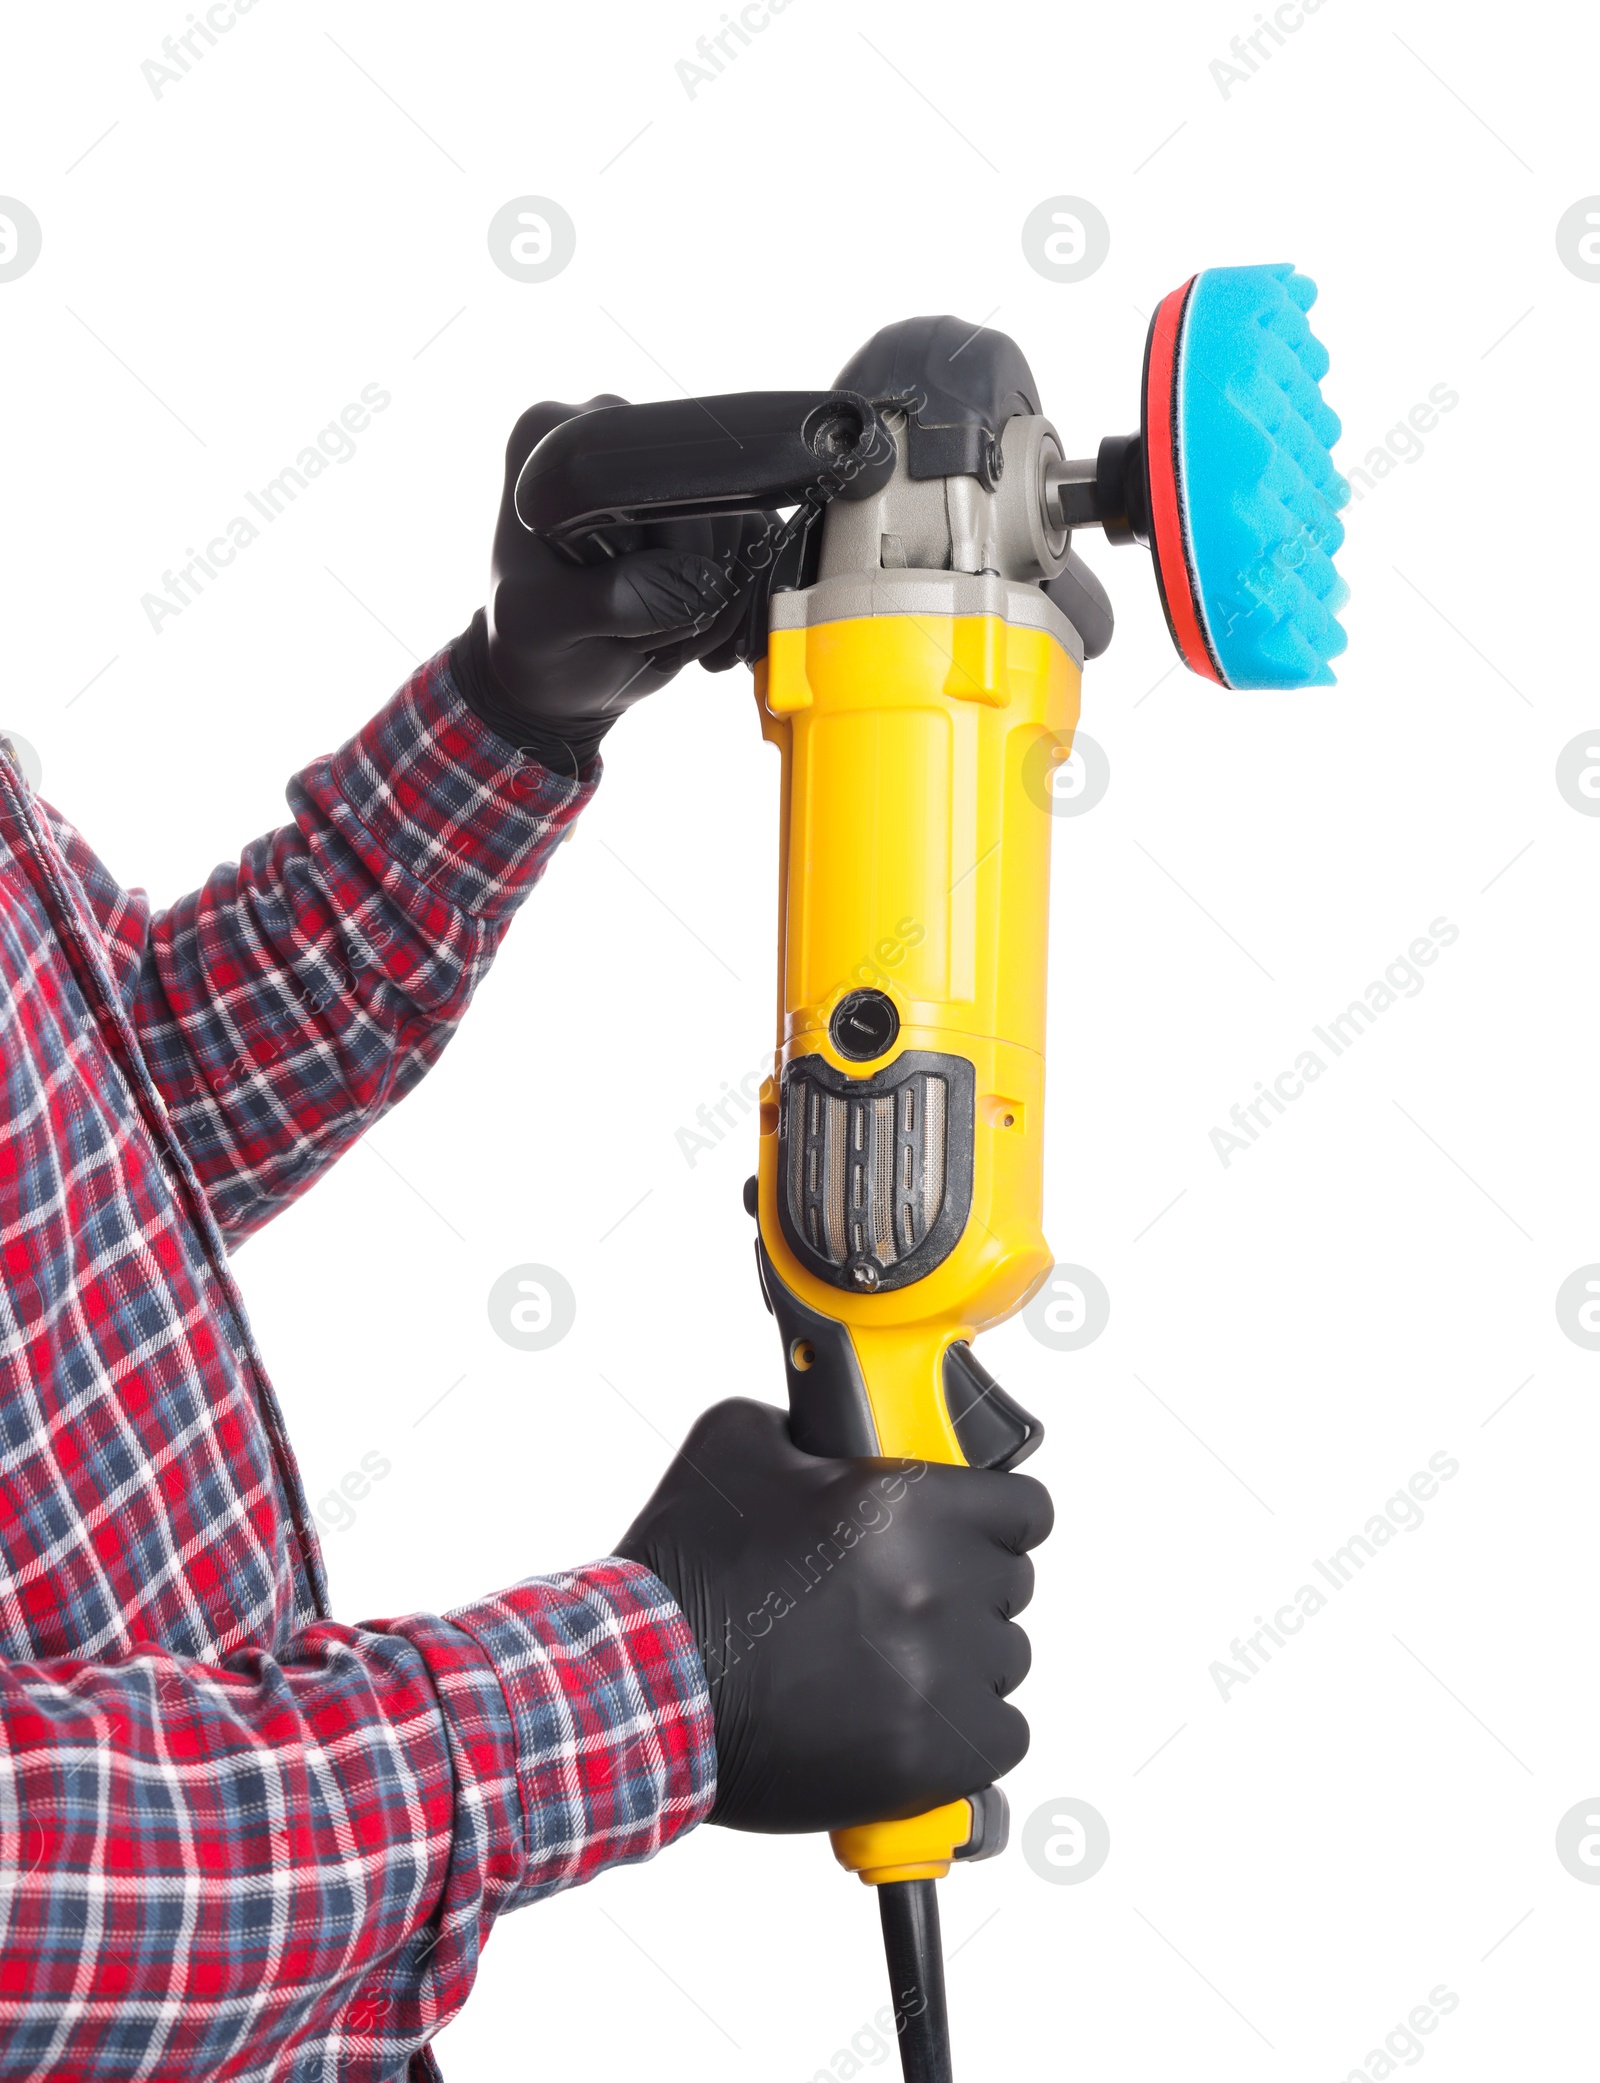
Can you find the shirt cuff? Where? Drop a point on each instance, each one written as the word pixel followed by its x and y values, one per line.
pixel 429 789
pixel 611 1716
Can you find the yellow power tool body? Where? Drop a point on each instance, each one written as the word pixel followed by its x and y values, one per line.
pixel 918 714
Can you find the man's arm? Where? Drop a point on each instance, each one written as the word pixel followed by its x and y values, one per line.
pixel 298 994
pixel 204 1868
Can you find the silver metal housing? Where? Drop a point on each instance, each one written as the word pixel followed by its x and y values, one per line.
pixel 946 545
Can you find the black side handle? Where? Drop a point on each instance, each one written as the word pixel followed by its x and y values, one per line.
pixel 696 458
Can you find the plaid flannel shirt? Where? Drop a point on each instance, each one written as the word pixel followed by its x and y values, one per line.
pixel 237 1838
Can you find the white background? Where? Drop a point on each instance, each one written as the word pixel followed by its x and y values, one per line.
pixel 300 215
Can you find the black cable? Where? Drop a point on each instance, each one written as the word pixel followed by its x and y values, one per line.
pixel 910 1913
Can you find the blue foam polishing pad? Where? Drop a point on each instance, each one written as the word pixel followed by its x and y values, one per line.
pixel 1245 498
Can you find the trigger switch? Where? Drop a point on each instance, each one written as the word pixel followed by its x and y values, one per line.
pixel 752 1194
pixel 994 1431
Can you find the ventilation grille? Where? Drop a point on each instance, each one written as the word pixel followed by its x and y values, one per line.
pixel 866 1170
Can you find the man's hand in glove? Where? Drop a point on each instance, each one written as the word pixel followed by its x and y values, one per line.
pixel 564 648
pixel 855 1618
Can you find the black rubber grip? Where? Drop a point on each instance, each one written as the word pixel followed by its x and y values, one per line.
pixel 829 1412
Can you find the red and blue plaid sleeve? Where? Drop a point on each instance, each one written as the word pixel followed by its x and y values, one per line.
pixel 287 1865
pixel 284 1006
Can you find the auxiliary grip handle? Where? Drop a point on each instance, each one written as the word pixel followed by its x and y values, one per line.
pixel 701 458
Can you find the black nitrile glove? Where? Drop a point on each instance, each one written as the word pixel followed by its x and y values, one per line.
pixel 854 1618
pixel 564 648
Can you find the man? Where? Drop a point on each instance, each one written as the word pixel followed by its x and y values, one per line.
pixel 237 1837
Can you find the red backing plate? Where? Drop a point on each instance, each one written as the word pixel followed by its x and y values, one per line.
pixel 1174 573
